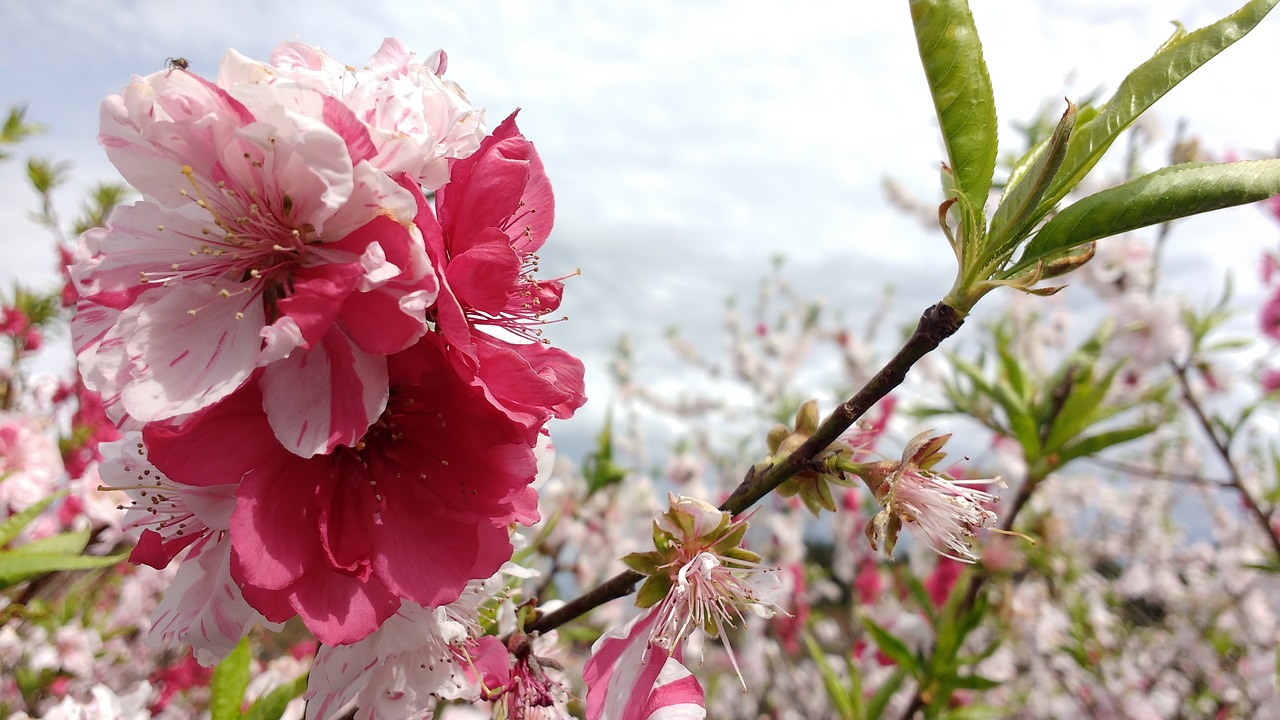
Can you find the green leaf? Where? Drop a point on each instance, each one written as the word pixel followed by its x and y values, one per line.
pixel 961 89
pixel 13 525
pixel 972 682
pixel 598 467
pixel 893 647
pixel 839 697
pixel 1016 215
pixel 1095 444
pixel 228 684
pixel 272 705
pixel 921 597
pixel 16 565
pixel 880 700
pixel 1171 64
pixel 976 712
pixel 1168 194
pixel 68 543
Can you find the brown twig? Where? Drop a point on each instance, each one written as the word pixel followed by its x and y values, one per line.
pixel 938 323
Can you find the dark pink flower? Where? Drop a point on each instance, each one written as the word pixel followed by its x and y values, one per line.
pixel 1270 316
pixel 494 214
pixel 944 576
pixel 415 509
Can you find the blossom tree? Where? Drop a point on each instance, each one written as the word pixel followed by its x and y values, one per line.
pixel 313 378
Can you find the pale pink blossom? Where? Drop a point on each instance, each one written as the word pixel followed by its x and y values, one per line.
pixel 629 677
pixel 638 672
pixel 1148 331
pixel 417 121
pixel 945 513
pixel 71 648
pixel 265 237
pixel 1120 265
pixel 418 656
pixel 203 606
pixel 30 465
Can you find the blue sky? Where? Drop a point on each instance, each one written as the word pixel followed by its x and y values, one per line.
pixel 687 142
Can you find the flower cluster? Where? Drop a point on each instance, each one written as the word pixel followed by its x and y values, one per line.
pixel 331 386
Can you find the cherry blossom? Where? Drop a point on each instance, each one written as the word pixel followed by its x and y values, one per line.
pixel 203 605
pixel 418 656
pixel 946 513
pixel 699 579
pixel 494 214
pixel 29 462
pixel 265 237
pixel 414 510
pixel 417 121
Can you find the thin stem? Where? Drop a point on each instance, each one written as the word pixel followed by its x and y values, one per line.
pixel 1220 445
pixel 938 323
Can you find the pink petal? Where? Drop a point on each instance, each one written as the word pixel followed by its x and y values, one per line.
pixel 328 396
pixel 482 276
pixel 203 606
pixel 219 445
pixel 316 297
pixel 622 675
pixel 190 347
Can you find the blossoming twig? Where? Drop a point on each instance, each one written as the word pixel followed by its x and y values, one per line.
pixel 938 323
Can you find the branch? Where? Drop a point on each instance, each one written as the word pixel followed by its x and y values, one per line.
pixel 938 323
pixel 1224 452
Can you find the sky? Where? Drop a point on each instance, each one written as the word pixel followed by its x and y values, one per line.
pixel 687 142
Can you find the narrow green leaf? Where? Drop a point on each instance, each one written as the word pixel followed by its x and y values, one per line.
pixel 976 712
pixel 1171 64
pixel 880 700
pixel 835 691
pixel 13 525
pixel 228 684
pixel 952 56
pixel 68 543
pixel 973 682
pixel 1168 194
pixel 1016 215
pixel 921 597
pixel 272 705
pixel 893 647
pixel 1080 409
pixel 1095 444
pixel 18 566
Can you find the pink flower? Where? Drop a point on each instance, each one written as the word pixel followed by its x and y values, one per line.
pixel 203 606
pixel 698 579
pixel 631 678
pixel 1149 331
pixel 266 237
pixel 535 690
pixel 30 464
pixel 944 576
pixel 495 213
pixel 1273 204
pixel 944 512
pixel 418 656
pixel 417 121
pixel 1270 316
pixel 414 510
pixel 1270 380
